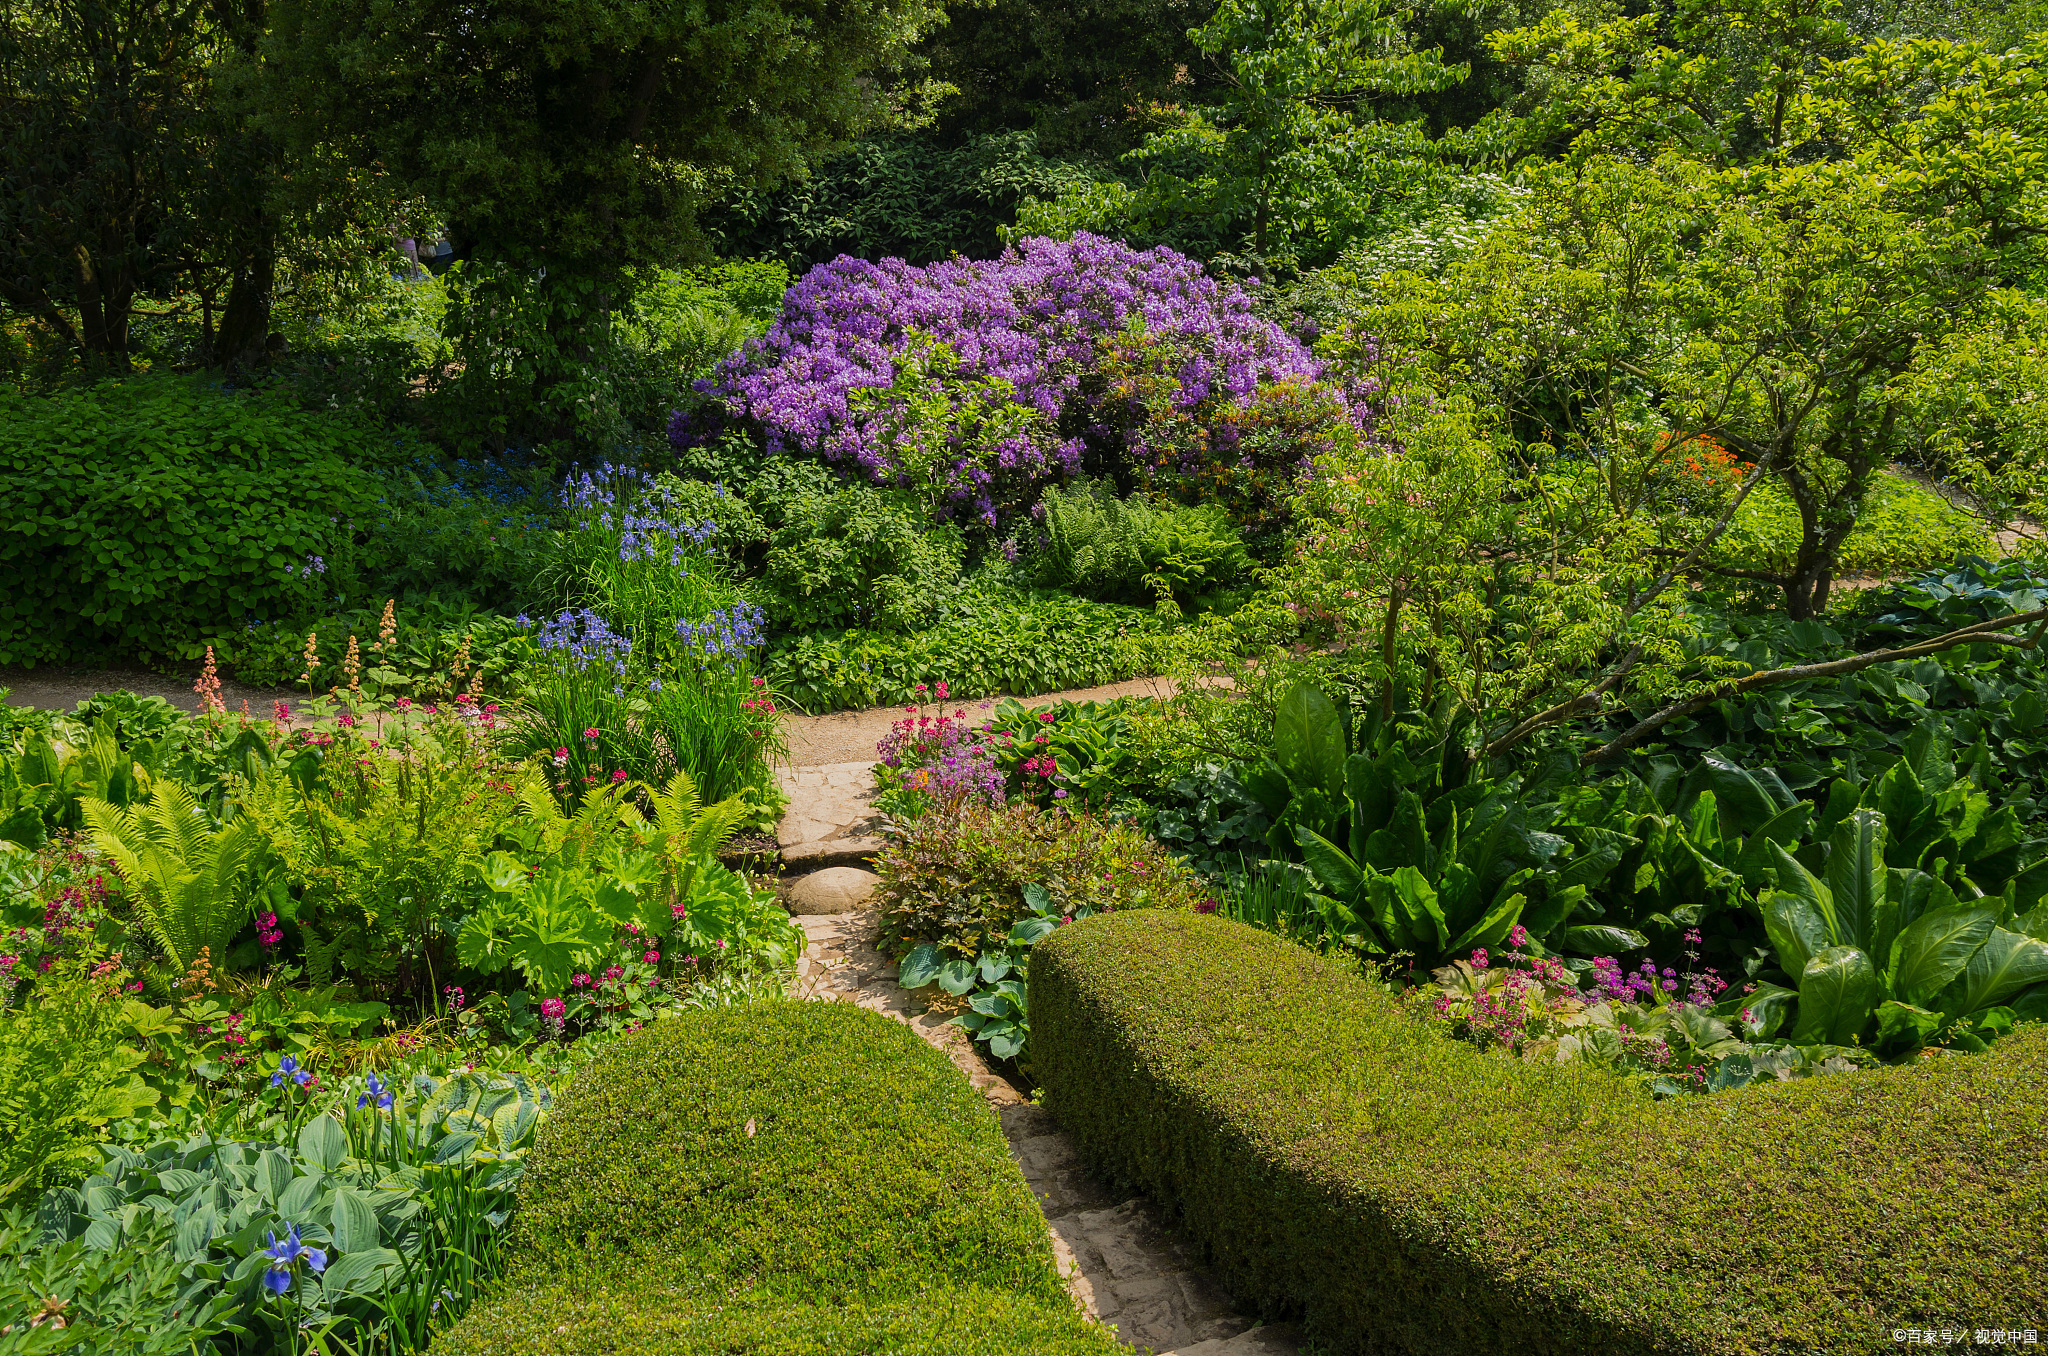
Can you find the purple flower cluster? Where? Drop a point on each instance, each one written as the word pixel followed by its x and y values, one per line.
pixel 645 536
pixel 727 634
pixel 1043 320
pixel 1701 989
pixel 604 487
pixel 943 758
pixel 583 638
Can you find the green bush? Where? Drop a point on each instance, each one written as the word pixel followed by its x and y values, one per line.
pixel 136 516
pixel 794 1179
pixel 1408 1193
pixel 143 1296
pixel 1904 526
pixel 858 556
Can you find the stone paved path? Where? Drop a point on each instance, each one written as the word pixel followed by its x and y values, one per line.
pixel 1120 1262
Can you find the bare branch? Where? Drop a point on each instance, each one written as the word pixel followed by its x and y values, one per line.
pixel 1585 703
pixel 1986 632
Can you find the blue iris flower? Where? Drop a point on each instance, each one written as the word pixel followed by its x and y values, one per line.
pixel 285 1256
pixel 379 1092
pixel 289 1068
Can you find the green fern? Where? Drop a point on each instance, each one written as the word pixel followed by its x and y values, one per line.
pixel 189 883
pixel 1105 547
pixel 686 832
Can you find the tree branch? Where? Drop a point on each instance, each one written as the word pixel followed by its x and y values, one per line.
pixel 1649 595
pixel 1986 632
pixel 1587 701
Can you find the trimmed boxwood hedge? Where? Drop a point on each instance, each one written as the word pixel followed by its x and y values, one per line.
pixel 803 1178
pixel 1403 1192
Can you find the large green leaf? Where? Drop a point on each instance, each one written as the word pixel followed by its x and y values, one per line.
pixel 1856 879
pixel 2006 964
pixel 560 929
pixel 355 1221
pixel 1601 939
pixel 1373 783
pixel 1838 994
pixel 1418 915
pixel 1903 1024
pixel 273 1174
pixel 323 1141
pixel 1935 948
pixel 1767 1005
pixel 1334 871
pixel 1797 929
pixel 1308 739
pixel 1785 829
pixel 1493 928
pixel 1794 879
pixel 920 966
pixel 1405 840
pixel 362 1272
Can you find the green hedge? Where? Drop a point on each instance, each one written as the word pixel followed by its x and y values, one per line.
pixel 137 516
pixel 1407 1193
pixel 873 1208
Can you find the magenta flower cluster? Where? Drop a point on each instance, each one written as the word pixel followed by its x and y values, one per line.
pixel 1040 318
pixel 943 756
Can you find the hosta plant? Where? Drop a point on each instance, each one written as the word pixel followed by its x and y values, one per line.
pixel 376 1221
pixel 994 983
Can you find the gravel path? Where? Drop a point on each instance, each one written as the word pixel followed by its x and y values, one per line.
pixel 60 689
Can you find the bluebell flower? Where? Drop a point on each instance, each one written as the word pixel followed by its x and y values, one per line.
pixel 288 1067
pixel 278 1278
pixel 379 1092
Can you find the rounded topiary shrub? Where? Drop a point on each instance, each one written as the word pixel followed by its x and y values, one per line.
pixel 795 1178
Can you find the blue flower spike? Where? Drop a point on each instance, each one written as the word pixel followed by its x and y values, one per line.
pixel 288 1067
pixel 285 1256
pixel 379 1092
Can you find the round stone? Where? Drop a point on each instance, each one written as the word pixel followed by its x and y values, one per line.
pixel 836 889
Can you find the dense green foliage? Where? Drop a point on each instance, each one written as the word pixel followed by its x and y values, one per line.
pixel 143 515
pixel 858 557
pixel 716 1183
pixel 141 1299
pixel 1328 1152
pixel 988 640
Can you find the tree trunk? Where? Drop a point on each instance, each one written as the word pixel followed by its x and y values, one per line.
pixel 105 301
pixel 245 320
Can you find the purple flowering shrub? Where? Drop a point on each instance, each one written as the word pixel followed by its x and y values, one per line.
pixel 976 383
